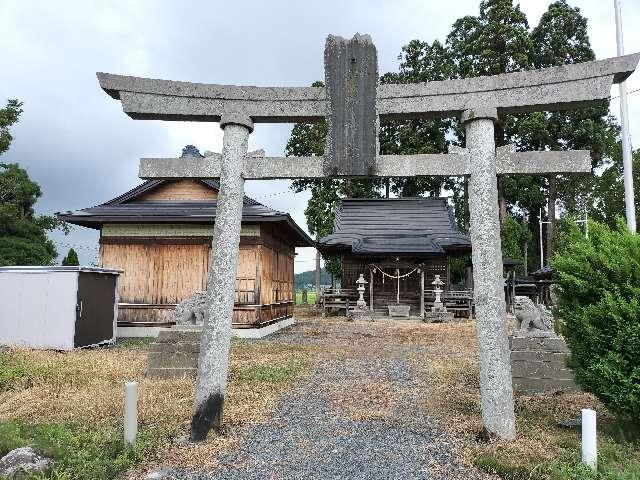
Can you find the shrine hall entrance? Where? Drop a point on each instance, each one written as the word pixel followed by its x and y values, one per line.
pixel 384 286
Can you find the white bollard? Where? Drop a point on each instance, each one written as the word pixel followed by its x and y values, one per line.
pixel 589 440
pixel 130 413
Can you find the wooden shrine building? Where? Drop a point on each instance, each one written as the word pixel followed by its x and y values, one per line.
pixel 160 233
pixel 410 238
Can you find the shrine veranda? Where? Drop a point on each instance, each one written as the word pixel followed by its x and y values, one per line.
pixel 352 104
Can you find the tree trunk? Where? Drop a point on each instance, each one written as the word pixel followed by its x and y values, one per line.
pixel 526 259
pixel 502 206
pixel 386 188
pixel 551 209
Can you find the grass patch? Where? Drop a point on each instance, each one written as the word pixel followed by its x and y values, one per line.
pixel 69 405
pixel 543 450
pixel 17 372
pixel 134 342
pixel 269 373
pixel 311 297
pixel 79 453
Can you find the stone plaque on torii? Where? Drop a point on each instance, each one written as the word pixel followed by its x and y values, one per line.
pixel 352 104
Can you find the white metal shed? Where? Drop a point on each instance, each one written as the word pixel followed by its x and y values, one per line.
pixel 58 307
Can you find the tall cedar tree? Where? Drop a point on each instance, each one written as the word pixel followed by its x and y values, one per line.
pixel 496 41
pixel 23 234
pixel 71 259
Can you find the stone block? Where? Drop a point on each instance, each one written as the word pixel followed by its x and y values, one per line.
pixel 172 360
pixel 179 335
pixel 552 370
pixel 551 344
pixel 351 76
pixel 171 373
pixel 537 386
pixel 538 365
pixel 538 356
pixel 399 310
pixel 174 354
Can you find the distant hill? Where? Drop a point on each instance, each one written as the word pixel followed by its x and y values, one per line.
pixel 300 280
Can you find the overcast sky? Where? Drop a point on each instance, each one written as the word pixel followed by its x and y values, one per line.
pixel 77 144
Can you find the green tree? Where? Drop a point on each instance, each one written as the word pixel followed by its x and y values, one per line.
pixel 607 199
pixel 499 41
pixel 71 259
pixel 8 116
pixel 23 234
pixel 599 310
pixel 561 38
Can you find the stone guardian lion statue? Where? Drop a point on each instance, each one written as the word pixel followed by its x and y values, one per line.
pixel 533 319
pixel 191 310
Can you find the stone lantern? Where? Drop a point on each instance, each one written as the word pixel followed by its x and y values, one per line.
pixel 361 282
pixel 438 312
pixel 360 312
pixel 438 291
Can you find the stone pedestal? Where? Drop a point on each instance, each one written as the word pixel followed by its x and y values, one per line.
pixel 174 354
pixel 538 364
pixel 438 316
pixel 360 314
pixel 398 310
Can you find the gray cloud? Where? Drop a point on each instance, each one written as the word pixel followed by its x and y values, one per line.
pixel 76 142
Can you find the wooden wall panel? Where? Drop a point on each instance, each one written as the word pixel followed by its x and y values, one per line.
pixel 179 190
pixel 156 273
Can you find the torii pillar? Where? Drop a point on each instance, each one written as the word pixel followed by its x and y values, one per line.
pixel 491 323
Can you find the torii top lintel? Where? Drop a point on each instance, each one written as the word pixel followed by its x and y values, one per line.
pixel 547 89
pixel 353 101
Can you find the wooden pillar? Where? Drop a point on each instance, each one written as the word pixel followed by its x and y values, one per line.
pixel 422 291
pixel 371 289
pixel 318 293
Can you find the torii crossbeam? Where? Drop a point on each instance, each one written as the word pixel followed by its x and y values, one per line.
pixel 352 104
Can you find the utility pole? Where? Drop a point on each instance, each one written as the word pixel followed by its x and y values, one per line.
pixel 629 197
pixel 541 223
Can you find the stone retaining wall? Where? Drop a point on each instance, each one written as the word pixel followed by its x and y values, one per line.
pixel 538 365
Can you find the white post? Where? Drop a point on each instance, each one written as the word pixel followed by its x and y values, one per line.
pixel 422 292
pixel 541 246
pixel 627 163
pixel 589 441
pixel 130 413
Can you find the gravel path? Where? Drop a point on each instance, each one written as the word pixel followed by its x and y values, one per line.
pixel 356 415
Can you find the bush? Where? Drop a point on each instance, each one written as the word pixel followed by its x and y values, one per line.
pixel 599 309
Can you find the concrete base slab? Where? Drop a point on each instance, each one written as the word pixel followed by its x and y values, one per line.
pixel 137 332
pixel 264 331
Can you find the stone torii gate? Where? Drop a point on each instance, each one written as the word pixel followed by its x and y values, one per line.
pixel 352 103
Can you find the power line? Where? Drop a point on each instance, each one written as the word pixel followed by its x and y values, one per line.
pixel 628 93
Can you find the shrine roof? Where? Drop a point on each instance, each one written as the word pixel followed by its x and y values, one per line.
pixel 395 226
pixel 123 210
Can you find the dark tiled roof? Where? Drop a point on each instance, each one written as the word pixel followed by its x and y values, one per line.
pixel 122 210
pixel 398 226
pixel 150 185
